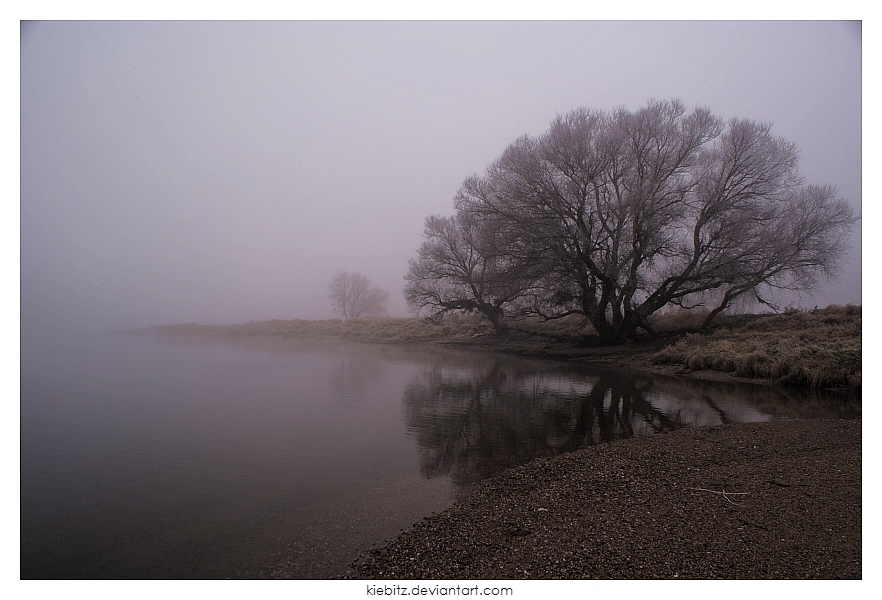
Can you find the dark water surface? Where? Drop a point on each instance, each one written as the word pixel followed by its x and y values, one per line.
pixel 150 458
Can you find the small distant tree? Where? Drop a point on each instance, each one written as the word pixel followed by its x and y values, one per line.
pixel 352 296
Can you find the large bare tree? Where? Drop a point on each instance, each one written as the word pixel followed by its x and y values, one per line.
pixel 627 212
pixel 352 296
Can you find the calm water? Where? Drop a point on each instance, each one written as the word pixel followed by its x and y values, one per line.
pixel 144 458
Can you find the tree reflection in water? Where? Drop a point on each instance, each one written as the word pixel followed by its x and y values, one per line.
pixel 471 423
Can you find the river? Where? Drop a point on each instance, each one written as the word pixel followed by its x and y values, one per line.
pixel 204 458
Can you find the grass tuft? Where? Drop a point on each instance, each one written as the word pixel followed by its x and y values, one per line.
pixel 820 348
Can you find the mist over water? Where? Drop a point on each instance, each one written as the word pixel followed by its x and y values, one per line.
pixel 141 459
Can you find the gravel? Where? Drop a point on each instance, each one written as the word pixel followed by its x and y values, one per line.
pixel 775 500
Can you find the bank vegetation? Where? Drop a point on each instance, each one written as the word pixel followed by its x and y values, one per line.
pixel 819 348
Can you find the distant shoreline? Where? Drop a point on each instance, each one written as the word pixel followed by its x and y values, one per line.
pixel 820 349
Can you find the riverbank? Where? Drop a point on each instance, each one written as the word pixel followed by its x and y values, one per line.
pixel 775 500
pixel 820 349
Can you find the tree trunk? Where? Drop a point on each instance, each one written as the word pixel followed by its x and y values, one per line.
pixel 494 314
pixel 710 317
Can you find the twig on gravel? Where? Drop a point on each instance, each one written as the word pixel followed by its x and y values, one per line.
pixel 724 494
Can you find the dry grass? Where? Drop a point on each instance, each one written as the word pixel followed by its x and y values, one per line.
pixel 682 320
pixel 820 349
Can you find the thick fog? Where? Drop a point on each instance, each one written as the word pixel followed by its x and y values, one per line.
pixel 221 172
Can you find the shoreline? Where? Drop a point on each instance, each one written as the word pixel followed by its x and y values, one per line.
pixel 633 357
pixel 820 349
pixel 773 500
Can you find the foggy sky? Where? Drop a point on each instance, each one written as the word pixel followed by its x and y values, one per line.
pixel 221 172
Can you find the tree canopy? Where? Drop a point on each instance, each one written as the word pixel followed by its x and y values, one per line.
pixel 614 215
pixel 465 265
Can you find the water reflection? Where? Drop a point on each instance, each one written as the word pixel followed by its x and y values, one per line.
pixel 354 375
pixel 473 421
